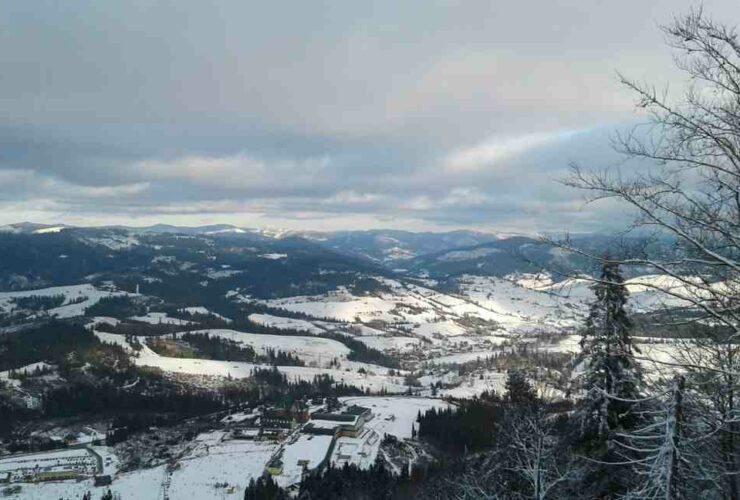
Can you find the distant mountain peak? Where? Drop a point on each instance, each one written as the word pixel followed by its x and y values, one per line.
pixel 32 228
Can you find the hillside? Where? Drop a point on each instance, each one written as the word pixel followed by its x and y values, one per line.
pixel 110 331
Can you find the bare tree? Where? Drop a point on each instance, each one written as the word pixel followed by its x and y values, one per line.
pixel 688 186
pixel 528 462
pixel 657 450
pixel 535 455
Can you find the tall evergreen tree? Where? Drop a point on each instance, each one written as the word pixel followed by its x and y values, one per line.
pixel 609 383
pixel 611 378
pixel 518 389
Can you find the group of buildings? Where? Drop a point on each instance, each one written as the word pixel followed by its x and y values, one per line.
pixel 330 419
pixel 310 430
pixel 310 450
pixel 347 423
pixel 51 466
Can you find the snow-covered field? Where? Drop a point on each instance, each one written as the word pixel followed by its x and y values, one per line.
pixel 308 449
pixel 113 338
pixel 535 301
pixel 406 308
pixel 314 351
pixel 76 299
pixel 340 306
pixel 519 307
pixel 433 330
pixel 23 370
pixel 390 344
pixel 483 305
pixel 409 319
pixel 645 293
pixel 160 318
pixel 462 357
pixel 204 311
pixel 141 485
pixel 405 319
pixel 395 414
pixel 285 323
pixel 218 461
pixel 483 315
pixel 474 385
pixel 114 241
pixel 375 378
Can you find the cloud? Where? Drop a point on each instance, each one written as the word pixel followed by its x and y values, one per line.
pixel 344 198
pixel 19 184
pixel 387 186
pixel 466 197
pixel 237 172
pixel 360 113
pixel 497 149
pixel 120 191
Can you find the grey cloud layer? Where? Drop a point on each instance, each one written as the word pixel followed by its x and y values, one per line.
pixel 508 183
pixel 434 114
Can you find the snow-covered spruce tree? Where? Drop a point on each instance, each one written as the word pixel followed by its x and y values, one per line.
pixel 609 381
pixel 611 378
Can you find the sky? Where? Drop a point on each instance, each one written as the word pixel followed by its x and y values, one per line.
pixel 322 115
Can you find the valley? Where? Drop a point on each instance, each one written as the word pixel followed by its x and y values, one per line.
pixel 128 353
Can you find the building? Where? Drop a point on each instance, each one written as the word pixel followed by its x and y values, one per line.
pixel 276 419
pixel 279 418
pixel 250 434
pixel 348 423
pixel 323 428
pixel 50 466
pixel 362 412
pixel 57 475
pixel 105 480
